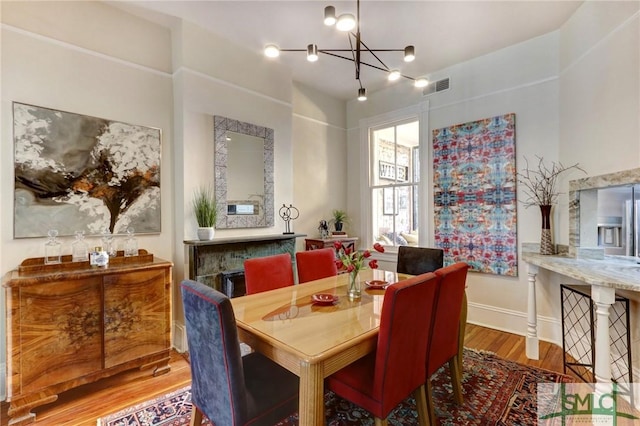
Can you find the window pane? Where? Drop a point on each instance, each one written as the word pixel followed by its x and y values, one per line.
pixel 395 172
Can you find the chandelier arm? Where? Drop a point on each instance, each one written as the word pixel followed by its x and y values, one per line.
pixel 374 55
pixel 327 52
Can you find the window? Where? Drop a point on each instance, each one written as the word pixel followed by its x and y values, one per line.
pixel 394 179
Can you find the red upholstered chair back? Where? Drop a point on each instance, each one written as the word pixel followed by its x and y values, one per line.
pixel 268 273
pixel 405 330
pixel 444 342
pixel 316 264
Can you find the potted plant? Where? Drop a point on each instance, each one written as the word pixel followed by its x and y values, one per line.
pixel 206 210
pixel 339 218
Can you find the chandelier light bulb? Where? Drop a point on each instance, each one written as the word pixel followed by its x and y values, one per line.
pixel 271 51
pixel 312 53
pixel 329 16
pixel 394 75
pixel 362 94
pixel 421 82
pixel 409 53
pixel 346 22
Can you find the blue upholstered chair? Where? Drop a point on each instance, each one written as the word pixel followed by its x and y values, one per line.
pixel 381 380
pixel 316 264
pixel 230 390
pixel 268 273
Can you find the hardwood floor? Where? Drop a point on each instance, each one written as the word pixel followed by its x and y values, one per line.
pixel 84 405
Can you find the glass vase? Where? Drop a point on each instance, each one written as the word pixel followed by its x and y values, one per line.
pixel 354 292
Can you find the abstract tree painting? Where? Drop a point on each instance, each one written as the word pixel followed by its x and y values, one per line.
pixel 75 172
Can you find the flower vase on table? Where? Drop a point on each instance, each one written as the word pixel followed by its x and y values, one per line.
pixel 352 261
pixel 354 291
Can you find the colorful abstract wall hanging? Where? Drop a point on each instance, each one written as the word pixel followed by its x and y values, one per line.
pixel 79 173
pixel 475 194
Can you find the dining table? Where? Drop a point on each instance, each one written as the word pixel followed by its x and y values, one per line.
pixel 314 329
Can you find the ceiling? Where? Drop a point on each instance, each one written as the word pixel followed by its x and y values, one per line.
pixel 444 33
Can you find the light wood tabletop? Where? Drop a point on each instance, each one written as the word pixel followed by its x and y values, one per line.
pixel 311 340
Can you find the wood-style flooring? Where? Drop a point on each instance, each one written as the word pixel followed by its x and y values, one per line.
pixel 84 405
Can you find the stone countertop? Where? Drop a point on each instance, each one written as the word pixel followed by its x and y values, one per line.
pixel 620 272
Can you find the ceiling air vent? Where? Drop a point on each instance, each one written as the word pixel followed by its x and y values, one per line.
pixel 438 86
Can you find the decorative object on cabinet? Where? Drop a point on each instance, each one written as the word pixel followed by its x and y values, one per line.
pixel 340 217
pixel 100 173
pixel 540 187
pixel 288 214
pixel 323 228
pixel 318 243
pixel 69 324
pixel 205 209
pixel 475 194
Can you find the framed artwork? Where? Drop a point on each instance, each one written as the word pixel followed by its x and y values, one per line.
pixel 475 194
pixel 388 205
pixel 75 172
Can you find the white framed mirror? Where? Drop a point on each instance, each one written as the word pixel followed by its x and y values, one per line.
pixel 243 165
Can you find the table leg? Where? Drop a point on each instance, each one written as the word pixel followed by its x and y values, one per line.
pixel 603 297
pixel 311 404
pixel 532 344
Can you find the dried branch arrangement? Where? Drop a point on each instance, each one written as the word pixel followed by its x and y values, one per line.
pixel 540 183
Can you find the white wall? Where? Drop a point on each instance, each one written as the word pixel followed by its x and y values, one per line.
pixel 521 79
pixel 575 95
pixel 53 56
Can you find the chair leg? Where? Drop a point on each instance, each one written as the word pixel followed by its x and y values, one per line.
pixel 461 330
pixel 420 395
pixel 381 422
pixel 456 383
pixel 196 416
pixel 430 407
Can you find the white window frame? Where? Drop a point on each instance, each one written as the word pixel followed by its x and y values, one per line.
pixel 420 113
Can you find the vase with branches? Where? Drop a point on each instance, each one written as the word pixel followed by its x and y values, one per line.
pixel 541 189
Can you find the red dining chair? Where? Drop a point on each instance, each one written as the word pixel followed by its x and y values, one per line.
pixel 420 260
pixel 316 264
pixel 268 273
pixel 446 326
pixel 383 379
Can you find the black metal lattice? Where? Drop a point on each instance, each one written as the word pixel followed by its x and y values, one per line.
pixel 578 336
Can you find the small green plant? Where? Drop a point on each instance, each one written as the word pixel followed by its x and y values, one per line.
pixel 205 207
pixel 339 216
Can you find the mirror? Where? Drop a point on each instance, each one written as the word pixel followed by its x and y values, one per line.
pixel 602 211
pixel 243 174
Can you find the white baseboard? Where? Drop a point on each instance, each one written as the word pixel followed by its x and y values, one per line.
pixel 179 337
pixel 3 381
pixel 510 321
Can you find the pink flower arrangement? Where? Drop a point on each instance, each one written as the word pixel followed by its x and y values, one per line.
pixel 352 260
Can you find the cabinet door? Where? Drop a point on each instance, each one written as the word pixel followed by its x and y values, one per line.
pixel 60 332
pixel 136 315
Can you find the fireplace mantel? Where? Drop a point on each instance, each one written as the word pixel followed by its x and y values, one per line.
pixel 208 259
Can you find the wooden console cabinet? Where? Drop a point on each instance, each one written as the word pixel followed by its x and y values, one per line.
pixel 69 324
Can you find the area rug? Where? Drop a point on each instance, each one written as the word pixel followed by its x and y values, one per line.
pixel 496 392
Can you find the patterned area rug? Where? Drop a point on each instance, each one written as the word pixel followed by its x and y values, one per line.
pixel 496 392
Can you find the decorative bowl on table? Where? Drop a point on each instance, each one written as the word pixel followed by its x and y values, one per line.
pixel 376 284
pixel 324 298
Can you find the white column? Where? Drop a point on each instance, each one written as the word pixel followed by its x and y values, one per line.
pixel 532 346
pixel 603 297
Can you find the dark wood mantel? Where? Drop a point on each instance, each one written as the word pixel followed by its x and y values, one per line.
pixel 208 259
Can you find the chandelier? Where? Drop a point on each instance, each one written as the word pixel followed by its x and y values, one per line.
pixel 347 22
